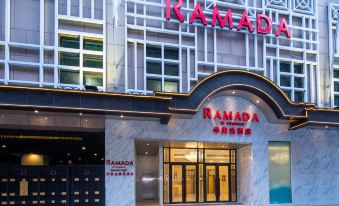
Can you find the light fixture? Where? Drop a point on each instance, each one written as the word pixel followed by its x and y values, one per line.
pixel 36 111
pixel 60 161
pixel 233 92
pixel 95 154
pixel 102 159
pixel 147 144
pixel 258 101
pixel 79 158
pixel 80 114
pixel 4 146
pixel 68 154
pixel 326 126
pixel 46 118
pixel 146 153
pixel 83 148
pixel 223 146
pixel 86 120
pixel 122 116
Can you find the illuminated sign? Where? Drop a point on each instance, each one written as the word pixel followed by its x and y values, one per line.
pixel 119 167
pixel 229 122
pixel 198 14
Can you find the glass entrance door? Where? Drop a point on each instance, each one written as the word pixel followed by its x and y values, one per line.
pixel 217 183
pixel 177 176
pixel 191 183
pixel 184 183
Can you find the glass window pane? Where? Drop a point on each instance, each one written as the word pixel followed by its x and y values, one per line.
pixel 336 74
pixel 94 79
pixel 299 96
pixel 69 77
pixel 298 69
pixel 69 59
pixel 153 67
pixel 234 182
pixel 171 86
pixel 171 53
pixel 176 183
pixel 224 183
pixel 336 86
pixel 285 81
pixel 191 182
pixel 166 183
pixel 93 61
pixel 211 193
pixel 183 155
pixel 298 82
pixel 217 156
pixel 336 100
pixel 233 156
pixel 70 42
pixel 171 69
pixel 153 51
pixel 285 67
pixel 279 172
pixel 93 44
pixel 153 85
pixel 201 155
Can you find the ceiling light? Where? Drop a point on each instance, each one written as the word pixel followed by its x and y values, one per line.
pixel 79 158
pixel 4 146
pixel 233 92
pixel 46 118
pixel 83 148
pixel 102 159
pixel 86 120
pixel 147 144
pixel 68 154
pixel 146 153
pixel 258 101
pixel 36 111
pixel 95 154
pixel 122 116
pixel 326 126
pixel 80 114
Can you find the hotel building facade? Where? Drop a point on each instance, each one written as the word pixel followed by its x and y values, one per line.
pixel 161 102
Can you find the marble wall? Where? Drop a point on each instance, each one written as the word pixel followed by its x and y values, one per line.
pixel 315 153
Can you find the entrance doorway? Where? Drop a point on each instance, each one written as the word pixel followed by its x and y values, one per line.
pixel 199 175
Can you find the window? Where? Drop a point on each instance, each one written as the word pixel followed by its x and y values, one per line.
pixel 171 86
pixel 285 67
pixel 70 42
pixel 183 155
pixel 336 74
pixel 217 156
pixel 93 61
pixel 285 81
pixel 153 67
pixel 152 51
pixel 299 96
pixel 69 59
pixel 279 172
pixel 336 100
pixel 298 69
pixel 171 53
pixel 69 77
pixel 94 79
pixel 298 82
pixel 171 69
pixel 336 86
pixel 93 44
pixel 153 85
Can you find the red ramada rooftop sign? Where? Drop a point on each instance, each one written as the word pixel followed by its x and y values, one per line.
pixel 198 14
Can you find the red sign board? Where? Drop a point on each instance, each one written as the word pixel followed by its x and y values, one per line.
pixel 229 122
pixel 198 14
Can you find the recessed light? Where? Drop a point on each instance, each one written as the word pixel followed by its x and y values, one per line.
pixel 223 146
pixel 147 144
pixel 102 159
pixel 46 118
pixel 79 158
pixel 36 111
pixel 326 126
pixel 233 92
pixel 86 120
pixel 83 148
pixel 122 116
pixel 95 154
pixel 4 146
pixel 258 101
pixel 146 153
pixel 80 114
pixel 68 154
pixel 60 161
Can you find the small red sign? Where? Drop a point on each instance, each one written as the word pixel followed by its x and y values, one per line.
pixel 119 167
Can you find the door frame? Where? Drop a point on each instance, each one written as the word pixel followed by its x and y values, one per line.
pixel 217 189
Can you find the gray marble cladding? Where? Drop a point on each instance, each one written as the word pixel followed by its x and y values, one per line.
pixel 314 153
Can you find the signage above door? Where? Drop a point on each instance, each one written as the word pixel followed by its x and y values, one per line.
pixel 263 22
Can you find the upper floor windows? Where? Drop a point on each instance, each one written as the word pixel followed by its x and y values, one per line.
pixel 292 81
pixel 70 41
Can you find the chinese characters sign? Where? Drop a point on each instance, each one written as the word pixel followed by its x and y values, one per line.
pixel 230 122
pixel 119 167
